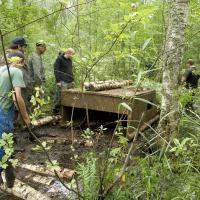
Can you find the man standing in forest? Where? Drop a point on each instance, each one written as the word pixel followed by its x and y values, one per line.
pixel 36 66
pixel 190 76
pixel 19 45
pixel 63 75
pixel 16 60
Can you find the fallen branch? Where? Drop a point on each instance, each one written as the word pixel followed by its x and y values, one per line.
pixel 56 140
pixel 62 172
pixel 45 184
pixel 150 122
pixel 47 120
pixel 33 177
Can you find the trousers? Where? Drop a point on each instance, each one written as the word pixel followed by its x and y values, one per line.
pixel 6 125
pixel 57 96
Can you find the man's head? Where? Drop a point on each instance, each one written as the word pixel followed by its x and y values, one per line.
pixel 40 47
pixel 69 53
pixel 16 59
pixel 190 63
pixel 19 43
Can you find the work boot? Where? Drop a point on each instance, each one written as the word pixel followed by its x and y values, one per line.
pixel 10 175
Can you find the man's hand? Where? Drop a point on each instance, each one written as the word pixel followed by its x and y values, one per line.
pixel 58 84
pixel 21 106
pixel 27 122
pixel 73 85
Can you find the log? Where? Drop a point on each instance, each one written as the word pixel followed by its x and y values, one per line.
pixel 45 184
pixel 46 120
pixel 24 191
pixel 106 85
pixel 149 123
pixel 62 172
pixel 45 180
pixel 56 140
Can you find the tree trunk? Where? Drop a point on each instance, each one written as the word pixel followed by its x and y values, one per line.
pixel 171 63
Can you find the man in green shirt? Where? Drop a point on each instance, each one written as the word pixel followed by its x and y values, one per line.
pixel 36 66
pixel 9 98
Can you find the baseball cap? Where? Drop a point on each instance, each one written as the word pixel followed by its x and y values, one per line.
pixel 19 41
pixel 41 43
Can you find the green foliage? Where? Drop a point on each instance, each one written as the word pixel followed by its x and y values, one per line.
pixel 7 143
pixel 53 165
pixel 87 134
pixel 38 148
pixel 38 102
pixel 88 175
pixel 99 23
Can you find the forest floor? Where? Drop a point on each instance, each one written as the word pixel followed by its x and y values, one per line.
pixel 60 142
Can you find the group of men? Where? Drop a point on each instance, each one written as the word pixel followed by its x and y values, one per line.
pixel 17 81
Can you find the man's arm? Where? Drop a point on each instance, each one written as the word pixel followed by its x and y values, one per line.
pixel 21 105
pixel 30 66
pixel 36 68
pixel 183 79
pixel 185 76
pixel 57 70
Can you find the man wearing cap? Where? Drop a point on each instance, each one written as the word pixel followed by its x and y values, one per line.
pixel 19 44
pixel 36 66
pixel 10 96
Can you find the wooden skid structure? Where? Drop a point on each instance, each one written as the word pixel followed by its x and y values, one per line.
pixel 109 101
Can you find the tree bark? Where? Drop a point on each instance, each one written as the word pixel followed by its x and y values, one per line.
pixel 106 85
pixel 171 63
pixel 24 191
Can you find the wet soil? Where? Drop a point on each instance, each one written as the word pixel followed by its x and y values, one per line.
pixel 60 141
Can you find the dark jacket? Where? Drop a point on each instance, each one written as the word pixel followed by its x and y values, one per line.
pixel 63 69
pixel 192 78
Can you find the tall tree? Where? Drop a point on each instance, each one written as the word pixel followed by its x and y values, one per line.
pixel 171 64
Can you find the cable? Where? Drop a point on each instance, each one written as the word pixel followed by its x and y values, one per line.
pixel 45 16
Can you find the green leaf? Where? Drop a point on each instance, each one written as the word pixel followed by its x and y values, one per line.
pixel 135 59
pixel 146 101
pixel 126 106
pixel 146 43
pixel 176 142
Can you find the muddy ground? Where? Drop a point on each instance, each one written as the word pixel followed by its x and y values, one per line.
pixel 60 141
